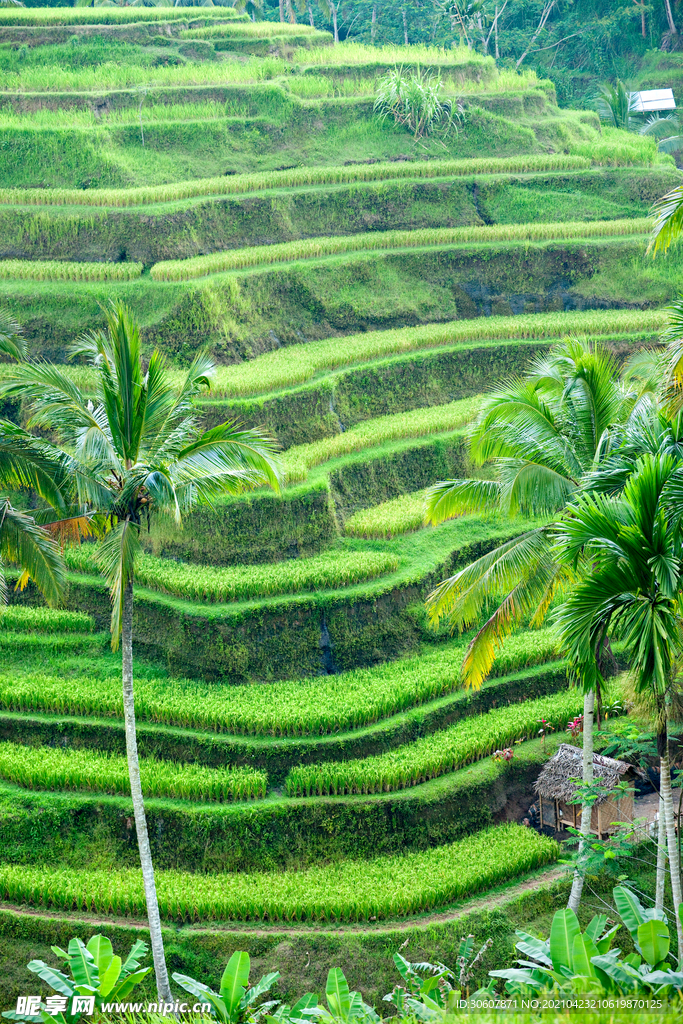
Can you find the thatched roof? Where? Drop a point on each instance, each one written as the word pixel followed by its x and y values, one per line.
pixel 553 782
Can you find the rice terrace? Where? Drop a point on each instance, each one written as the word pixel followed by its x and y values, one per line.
pixel 341 511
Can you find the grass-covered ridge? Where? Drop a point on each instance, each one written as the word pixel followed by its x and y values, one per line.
pixel 316 707
pixel 442 752
pixel 316 248
pixel 348 891
pixel 57 270
pixel 209 583
pixel 302 176
pixel 46 768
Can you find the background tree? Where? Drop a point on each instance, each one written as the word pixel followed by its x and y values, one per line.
pixel 631 550
pixel 542 434
pixel 134 449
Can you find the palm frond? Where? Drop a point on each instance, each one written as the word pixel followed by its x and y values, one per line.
pixel 12 342
pixel 451 498
pixel 668 220
pixel 29 546
pixel 116 555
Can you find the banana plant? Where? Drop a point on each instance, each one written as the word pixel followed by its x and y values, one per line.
pixel 344 1006
pixel 572 962
pixel 95 972
pixel 429 994
pixel 562 961
pixel 235 1002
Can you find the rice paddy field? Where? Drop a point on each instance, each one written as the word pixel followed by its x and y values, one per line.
pixel 321 788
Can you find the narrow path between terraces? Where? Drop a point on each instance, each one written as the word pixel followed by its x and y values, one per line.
pixel 498 898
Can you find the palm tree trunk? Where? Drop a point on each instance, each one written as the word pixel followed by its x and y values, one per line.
pixel 587 809
pixel 670 18
pixel 163 987
pixel 661 858
pixel 282 10
pixel 373 24
pixel 666 797
pixel 333 7
pixel 405 27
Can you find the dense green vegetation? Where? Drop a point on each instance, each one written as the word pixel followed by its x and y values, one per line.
pixel 309 749
pixel 351 891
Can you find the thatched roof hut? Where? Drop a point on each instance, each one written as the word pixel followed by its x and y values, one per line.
pixel 554 786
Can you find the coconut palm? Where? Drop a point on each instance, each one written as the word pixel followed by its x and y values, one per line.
pixel 630 547
pixel 135 449
pixel 542 434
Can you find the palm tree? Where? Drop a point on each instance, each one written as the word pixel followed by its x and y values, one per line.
pixel 542 433
pixel 631 549
pixel 135 449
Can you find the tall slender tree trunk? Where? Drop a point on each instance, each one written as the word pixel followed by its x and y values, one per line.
pixel 670 18
pixel 666 797
pixel 310 14
pixel 405 26
pixel 373 24
pixel 661 858
pixel 163 987
pixel 495 30
pixel 587 809
pixel 333 8
pixel 282 10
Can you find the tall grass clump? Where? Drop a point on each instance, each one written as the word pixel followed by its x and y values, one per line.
pixel 298 176
pixel 362 890
pixel 307 707
pixel 57 270
pixel 296 364
pixel 620 149
pixel 427 758
pixel 298 461
pixel 235 583
pixel 50 768
pixel 28 644
pixel 316 248
pixel 255 30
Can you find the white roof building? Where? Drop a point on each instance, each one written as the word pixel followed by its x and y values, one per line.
pixel 653 100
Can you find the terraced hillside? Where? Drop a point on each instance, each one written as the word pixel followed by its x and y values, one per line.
pixel 319 784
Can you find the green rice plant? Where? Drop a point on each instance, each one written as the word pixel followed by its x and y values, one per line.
pixel 26 619
pixel 308 707
pixel 296 364
pixel 437 419
pixel 57 270
pixel 39 16
pixel 51 643
pixel 111 75
pixel 296 177
pixel 241 582
pixel 255 30
pixel 349 54
pixel 620 149
pixel 400 515
pixel 317 248
pixel 427 758
pixel 362 890
pixel 66 768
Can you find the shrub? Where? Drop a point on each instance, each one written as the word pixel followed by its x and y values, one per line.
pixel 388 886
pixel 317 248
pixel 68 768
pixel 413 100
pixel 466 741
pixel 235 583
